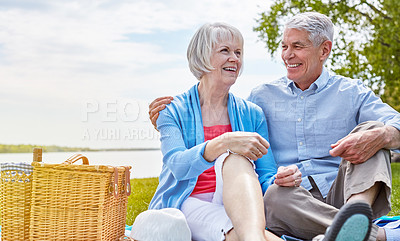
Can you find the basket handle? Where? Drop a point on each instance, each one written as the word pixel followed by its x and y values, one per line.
pixel 127 181
pixel 115 191
pixel 37 154
pixel 72 159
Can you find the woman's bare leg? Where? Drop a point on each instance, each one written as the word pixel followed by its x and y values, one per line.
pixel 243 201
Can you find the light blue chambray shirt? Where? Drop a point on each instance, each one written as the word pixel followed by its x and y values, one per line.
pixel 303 124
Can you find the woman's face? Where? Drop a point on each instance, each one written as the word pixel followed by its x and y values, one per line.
pixel 226 58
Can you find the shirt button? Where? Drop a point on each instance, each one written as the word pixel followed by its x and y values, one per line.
pixel 300 143
pixel 299 120
pixel 301 97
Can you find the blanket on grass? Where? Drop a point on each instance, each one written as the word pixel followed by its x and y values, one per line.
pixel 385 221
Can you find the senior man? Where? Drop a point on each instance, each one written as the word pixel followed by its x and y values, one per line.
pixel 333 128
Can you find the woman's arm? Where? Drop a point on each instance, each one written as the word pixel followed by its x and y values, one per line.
pixel 248 144
pixel 180 155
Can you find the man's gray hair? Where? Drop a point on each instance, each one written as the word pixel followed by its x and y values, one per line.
pixel 206 37
pixel 319 26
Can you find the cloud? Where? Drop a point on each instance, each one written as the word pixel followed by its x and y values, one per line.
pixel 54 55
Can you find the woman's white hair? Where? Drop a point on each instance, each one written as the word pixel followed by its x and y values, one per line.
pixel 319 26
pixel 206 37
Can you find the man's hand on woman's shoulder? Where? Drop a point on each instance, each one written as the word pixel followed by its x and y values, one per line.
pixel 156 106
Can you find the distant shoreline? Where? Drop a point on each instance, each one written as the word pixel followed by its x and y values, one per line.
pixel 27 148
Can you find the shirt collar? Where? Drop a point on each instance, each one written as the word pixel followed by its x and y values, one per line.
pixel 317 86
pixel 322 80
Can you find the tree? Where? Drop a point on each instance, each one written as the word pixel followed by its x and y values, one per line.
pixel 366 45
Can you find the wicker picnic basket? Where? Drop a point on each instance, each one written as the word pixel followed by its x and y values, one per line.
pixel 78 202
pixel 15 196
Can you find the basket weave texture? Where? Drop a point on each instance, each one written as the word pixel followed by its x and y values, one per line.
pixel 77 202
pixel 15 196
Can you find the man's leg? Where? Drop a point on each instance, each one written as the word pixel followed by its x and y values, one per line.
pixel 369 182
pixel 294 211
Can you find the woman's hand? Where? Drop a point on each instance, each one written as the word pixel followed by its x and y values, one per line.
pixel 249 144
pixel 289 176
pixel 156 106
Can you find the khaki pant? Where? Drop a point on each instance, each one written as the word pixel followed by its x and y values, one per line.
pixel 304 214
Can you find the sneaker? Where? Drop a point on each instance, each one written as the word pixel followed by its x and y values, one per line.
pixel 352 222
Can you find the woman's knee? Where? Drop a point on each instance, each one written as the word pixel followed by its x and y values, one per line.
pixel 236 164
pixel 235 160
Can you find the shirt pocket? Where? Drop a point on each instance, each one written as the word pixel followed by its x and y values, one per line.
pixel 282 111
pixel 327 132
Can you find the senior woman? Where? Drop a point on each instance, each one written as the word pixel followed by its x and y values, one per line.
pixel 215 148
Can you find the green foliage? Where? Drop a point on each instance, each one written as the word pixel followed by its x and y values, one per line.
pixel 29 148
pixel 53 148
pixel 367 42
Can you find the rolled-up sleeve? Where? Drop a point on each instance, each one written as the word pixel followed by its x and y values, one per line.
pixel 371 107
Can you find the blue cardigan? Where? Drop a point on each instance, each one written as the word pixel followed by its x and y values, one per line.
pixel 182 144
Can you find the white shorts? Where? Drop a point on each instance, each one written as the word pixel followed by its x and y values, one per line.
pixel 205 212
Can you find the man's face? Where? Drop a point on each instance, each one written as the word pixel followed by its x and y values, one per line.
pixel 302 59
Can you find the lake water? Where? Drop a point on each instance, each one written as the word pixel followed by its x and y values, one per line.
pixel 144 163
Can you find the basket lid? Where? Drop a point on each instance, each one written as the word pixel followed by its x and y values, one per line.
pixel 89 168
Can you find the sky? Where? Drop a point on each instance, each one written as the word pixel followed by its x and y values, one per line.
pixel 81 73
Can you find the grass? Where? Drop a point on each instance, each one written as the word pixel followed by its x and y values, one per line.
pixel 395 190
pixel 143 190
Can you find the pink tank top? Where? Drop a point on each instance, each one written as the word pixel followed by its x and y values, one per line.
pixel 206 181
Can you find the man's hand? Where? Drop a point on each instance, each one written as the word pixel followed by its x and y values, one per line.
pixel 289 176
pixel 360 146
pixel 156 106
